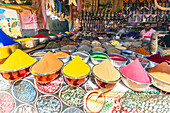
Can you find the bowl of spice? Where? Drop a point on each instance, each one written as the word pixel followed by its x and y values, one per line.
pixel 27 43
pixel 155 60
pixel 111 50
pixel 68 48
pixel 50 88
pixel 4 84
pixel 63 55
pixel 17 65
pixel 106 45
pixel 97 58
pixel 53 45
pixel 161 76
pixel 84 48
pixel 144 62
pixel 127 52
pixel 73 43
pixel 72 110
pixel 72 96
pixel 98 44
pixel 135 77
pixel 52 36
pixel 94 103
pixel 142 52
pixel 43 39
pixel 48 104
pixel 84 55
pixel 165 52
pixel 38 54
pixel 25 108
pixel 106 75
pixel 98 49
pixel 24 91
pixel 76 72
pixel 118 60
pixel 7 103
pixel 62 43
pixel 47 69
pixel 85 41
pixel 84 44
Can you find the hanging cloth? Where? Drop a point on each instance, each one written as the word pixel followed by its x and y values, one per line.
pixel 133 1
pixel 126 1
pixel 141 1
pixel 148 1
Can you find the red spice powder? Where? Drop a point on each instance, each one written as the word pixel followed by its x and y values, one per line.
pixel 167 57
pixel 117 58
pixel 156 58
pixel 135 72
pixel 40 36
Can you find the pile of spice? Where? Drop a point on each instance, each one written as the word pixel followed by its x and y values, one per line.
pixel 117 58
pixel 104 40
pixel 61 54
pixel 106 71
pixel 85 41
pixel 48 63
pixel 132 47
pixel 26 39
pixel 107 45
pixel 72 43
pixel 99 56
pixel 7 102
pixel 39 53
pixel 48 104
pixel 24 91
pixel 120 47
pixel 98 49
pixel 52 45
pixel 161 71
pixel 84 44
pixel 142 51
pixel 84 48
pixel 116 43
pixel 156 58
pixel 142 60
pixel 17 60
pixel 167 57
pixel 135 72
pixel 40 36
pixel 52 87
pixel 165 52
pixel 96 45
pixel 68 47
pixel 94 103
pixel 95 42
pixel 113 50
pixel 62 42
pixel 25 108
pixel 76 68
pixel 4 84
pixel 72 96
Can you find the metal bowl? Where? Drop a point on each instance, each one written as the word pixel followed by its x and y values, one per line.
pixel 71 51
pixel 98 48
pixel 136 86
pixel 127 52
pixel 152 64
pixel 28 44
pixel 45 77
pixel 97 61
pixel 163 85
pixel 43 40
pixel 142 63
pixel 52 38
pixel 38 57
pixel 86 59
pixel 64 59
pixel 118 63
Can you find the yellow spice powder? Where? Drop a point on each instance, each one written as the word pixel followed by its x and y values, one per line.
pixel 76 68
pixel 17 60
pixel 26 39
pixel 106 71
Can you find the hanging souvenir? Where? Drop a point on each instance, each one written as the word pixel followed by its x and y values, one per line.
pixel 141 1
pixel 140 8
pixel 148 1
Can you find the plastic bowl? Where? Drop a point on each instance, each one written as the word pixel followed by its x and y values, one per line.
pixel 75 81
pixel 45 77
pixel 16 74
pixel 136 86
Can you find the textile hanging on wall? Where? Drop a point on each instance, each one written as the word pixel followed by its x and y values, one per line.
pixel 41 13
pixel 58 5
pixel 73 12
pixel 26 18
